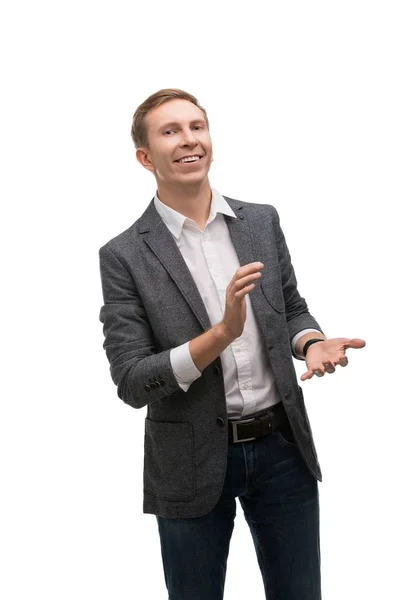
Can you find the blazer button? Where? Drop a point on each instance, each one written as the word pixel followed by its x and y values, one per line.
pixel 162 381
pixel 147 387
pixel 152 385
pixel 157 384
pixel 216 370
pixel 220 422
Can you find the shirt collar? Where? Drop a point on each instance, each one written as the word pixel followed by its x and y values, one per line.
pixel 175 220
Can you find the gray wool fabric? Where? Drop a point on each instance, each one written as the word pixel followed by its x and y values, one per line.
pixel 151 305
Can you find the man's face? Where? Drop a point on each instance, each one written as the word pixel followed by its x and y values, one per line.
pixel 175 130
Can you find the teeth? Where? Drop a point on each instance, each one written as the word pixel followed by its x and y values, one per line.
pixel 189 159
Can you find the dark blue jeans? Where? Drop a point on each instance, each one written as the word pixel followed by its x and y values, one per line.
pixel 279 497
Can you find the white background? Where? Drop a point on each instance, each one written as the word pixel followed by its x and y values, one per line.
pixel 303 101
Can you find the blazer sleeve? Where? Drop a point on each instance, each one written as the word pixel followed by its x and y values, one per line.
pixel 296 309
pixel 140 373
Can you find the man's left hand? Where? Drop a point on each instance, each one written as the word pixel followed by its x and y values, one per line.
pixel 322 357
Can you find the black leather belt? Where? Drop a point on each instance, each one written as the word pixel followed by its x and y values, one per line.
pixel 245 430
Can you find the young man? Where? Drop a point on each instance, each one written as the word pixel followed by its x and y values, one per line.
pixel 202 319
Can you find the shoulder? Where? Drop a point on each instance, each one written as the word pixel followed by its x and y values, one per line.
pixel 127 239
pixel 122 241
pixel 256 209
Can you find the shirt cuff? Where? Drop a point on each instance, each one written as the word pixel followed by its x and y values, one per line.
pixel 183 367
pixel 297 337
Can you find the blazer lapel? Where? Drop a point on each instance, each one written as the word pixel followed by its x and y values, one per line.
pixel 162 243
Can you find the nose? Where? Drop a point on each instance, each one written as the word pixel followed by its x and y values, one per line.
pixel 188 138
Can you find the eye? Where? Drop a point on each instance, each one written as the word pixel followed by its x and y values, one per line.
pixel 168 131
pixel 197 127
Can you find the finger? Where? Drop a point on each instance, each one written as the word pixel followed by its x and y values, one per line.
pixel 329 368
pixel 354 343
pixel 319 369
pixel 239 295
pixel 248 269
pixel 307 375
pixel 343 361
pixel 244 276
pixel 244 281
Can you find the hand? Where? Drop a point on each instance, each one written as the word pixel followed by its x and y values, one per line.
pixel 235 307
pixel 322 357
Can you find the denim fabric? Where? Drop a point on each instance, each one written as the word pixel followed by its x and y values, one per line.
pixel 279 497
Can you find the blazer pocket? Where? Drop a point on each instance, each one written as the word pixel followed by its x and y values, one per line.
pixel 169 460
pixel 271 286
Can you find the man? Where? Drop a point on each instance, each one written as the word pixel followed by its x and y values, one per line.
pixel 202 318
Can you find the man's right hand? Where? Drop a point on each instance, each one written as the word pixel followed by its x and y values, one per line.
pixel 242 283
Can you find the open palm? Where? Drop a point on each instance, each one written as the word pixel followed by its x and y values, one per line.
pixel 322 357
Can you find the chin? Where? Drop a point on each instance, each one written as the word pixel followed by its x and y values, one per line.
pixel 194 179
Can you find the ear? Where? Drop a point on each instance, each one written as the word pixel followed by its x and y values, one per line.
pixel 143 156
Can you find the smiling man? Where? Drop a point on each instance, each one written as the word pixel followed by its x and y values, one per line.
pixel 181 170
pixel 202 319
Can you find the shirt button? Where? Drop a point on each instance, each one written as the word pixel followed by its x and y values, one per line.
pixel 245 386
pixel 220 422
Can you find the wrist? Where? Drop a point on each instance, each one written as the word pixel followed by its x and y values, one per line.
pixel 310 343
pixel 223 333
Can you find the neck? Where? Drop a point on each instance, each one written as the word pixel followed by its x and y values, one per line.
pixel 192 201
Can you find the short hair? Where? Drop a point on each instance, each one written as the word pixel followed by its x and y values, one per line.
pixel 139 130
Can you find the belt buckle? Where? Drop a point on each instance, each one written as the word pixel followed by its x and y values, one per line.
pixel 235 434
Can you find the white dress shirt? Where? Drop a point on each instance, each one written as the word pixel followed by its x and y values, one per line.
pixel 211 257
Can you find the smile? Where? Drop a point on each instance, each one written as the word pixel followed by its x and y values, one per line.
pixel 189 159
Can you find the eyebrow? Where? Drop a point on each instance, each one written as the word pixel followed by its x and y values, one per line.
pixel 175 124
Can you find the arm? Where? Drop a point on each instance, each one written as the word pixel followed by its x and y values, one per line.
pixel 129 340
pixel 184 369
pixel 324 356
pixel 298 317
pixel 190 359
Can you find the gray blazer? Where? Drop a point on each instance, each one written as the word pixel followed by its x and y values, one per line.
pixel 151 305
